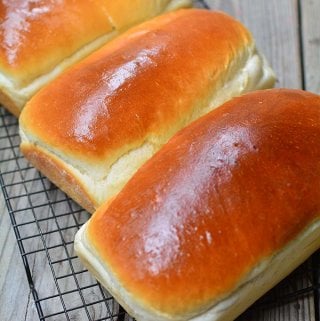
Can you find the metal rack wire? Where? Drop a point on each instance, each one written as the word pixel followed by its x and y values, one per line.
pixel 45 221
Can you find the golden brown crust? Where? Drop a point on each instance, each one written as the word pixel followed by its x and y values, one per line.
pixel 59 174
pixel 39 40
pixel 109 99
pixel 224 194
pixel 34 37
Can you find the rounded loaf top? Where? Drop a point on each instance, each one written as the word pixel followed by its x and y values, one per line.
pixel 135 87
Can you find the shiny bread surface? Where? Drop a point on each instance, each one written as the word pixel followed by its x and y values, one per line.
pixel 217 204
pixel 35 36
pixel 40 39
pixel 136 87
pixel 108 114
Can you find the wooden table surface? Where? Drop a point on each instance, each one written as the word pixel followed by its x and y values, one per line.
pixel 286 31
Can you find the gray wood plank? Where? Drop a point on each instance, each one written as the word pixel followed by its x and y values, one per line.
pixel 310 32
pixel 310 11
pixel 274 25
pixel 15 296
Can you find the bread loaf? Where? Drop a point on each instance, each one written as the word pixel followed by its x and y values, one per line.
pixel 40 39
pixel 94 126
pixel 225 210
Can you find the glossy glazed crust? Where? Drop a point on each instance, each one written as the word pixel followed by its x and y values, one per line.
pixel 121 104
pixel 60 174
pixel 34 37
pixel 222 197
pixel 39 40
pixel 111 96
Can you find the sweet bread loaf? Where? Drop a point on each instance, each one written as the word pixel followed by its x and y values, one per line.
pixel 225 210
pixel 94 126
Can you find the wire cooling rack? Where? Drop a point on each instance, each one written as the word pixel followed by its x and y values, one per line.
pixel 45 221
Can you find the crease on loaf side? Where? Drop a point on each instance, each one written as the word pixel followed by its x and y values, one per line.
pixel 95 185
pixel 14 95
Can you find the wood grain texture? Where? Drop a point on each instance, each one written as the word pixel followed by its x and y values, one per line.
pixel 275 26
pixel 310 10
pixel 15 296
pixel 310 40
